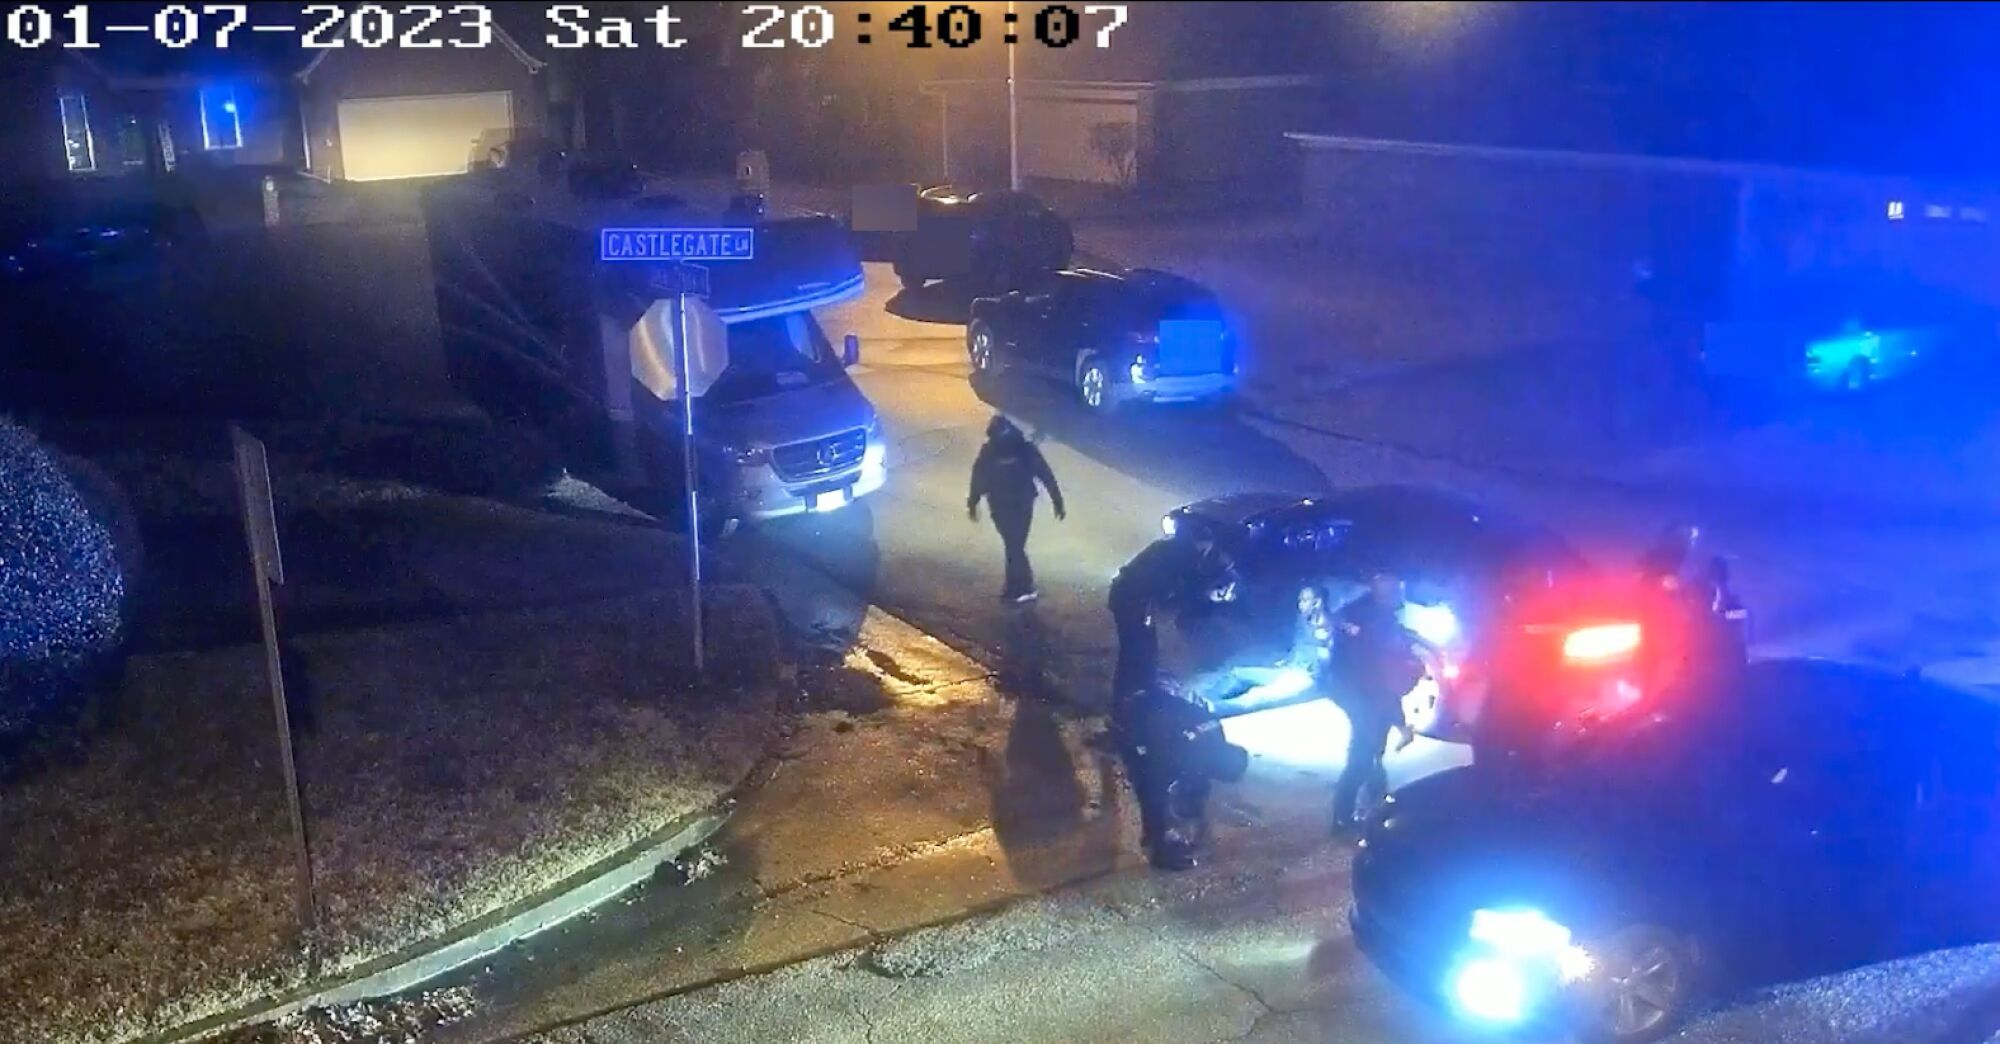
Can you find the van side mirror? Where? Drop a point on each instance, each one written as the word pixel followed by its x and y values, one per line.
pixel 850 351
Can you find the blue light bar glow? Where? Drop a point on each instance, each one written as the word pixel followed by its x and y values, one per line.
pixel 1491 989
pixel 677 244
pixel 1519 932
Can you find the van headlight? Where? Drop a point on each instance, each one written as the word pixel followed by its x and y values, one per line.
pixel 1170 526
pixel 752 456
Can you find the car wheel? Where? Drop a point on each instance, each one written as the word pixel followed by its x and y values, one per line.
pixel 1093 385
pixel 1859 375
pixel 1641 986
pixel 982 348
pixel 909 279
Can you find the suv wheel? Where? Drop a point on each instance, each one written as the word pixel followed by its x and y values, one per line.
pixel 982 348
pixel 1641 988
pixel 909 279
pixel 1093 385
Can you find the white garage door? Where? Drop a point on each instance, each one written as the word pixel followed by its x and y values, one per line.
pixel 383 138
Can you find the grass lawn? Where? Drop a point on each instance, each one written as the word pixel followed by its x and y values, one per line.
pixel 454 766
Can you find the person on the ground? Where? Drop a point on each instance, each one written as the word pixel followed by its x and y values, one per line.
pixel 1006 475
pixel 1303 671
pixel 1168 573
pixel 1173 752
pixel 1376 664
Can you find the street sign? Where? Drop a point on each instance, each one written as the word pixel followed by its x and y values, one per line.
pixel 677 244
pixel 700 343
pixel 656 341
pixel 677 279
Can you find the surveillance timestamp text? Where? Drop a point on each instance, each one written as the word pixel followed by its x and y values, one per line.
pixel 322 27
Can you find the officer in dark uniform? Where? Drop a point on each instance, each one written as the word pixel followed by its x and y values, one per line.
pixel 1005 475
pixel 1697 626
pixel 1375 666
pixel 1174 751
pixel 1166 574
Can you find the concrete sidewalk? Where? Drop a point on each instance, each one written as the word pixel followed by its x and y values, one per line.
pixel 1253 951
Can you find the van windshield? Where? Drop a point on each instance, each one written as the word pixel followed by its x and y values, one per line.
pixel 771 356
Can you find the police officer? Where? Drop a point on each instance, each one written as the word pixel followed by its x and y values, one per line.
pixel 1375 665
pixel 1167 573
pixel 1697 627
pixel 1005 476
pixel 1174 750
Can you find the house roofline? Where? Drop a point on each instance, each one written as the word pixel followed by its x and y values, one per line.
pixel 1686 165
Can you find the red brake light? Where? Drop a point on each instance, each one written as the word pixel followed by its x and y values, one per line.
pixel 1600 643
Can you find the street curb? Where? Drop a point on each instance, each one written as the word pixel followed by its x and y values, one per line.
pixel 483 936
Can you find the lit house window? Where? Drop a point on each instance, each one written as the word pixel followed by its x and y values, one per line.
pixel 220 127
pixel 1933 210
pixel 1895 210
pixel 1976 214
pixel 78 148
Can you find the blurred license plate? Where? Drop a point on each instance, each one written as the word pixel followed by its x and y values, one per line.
pixel 833 501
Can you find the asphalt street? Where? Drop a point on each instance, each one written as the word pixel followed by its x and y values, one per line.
pixel 911 547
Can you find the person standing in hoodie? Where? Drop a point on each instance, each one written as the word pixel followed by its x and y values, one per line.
pixel 1005 475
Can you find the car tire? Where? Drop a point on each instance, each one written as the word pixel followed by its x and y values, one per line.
pixel 1094 385
pixel 982 348
pixel 909 279
pixel 1642 988
pixel 1857 377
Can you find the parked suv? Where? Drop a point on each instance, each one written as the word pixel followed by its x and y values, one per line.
pixel 1115 337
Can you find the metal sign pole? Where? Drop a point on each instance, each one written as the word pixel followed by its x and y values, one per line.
pixel 260 528
pixel 689 476
pixel 678 247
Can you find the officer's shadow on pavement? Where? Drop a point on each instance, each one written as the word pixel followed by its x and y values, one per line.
pixel 1055 802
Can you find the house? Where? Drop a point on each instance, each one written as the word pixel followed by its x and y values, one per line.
pixel 339 114
pixel 389 113
pixel 1198 134
pixel 1713 233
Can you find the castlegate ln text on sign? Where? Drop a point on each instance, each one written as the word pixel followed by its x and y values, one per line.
pixel 677 244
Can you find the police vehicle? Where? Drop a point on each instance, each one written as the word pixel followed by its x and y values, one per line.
pixel 1818 817
pixel 1530 645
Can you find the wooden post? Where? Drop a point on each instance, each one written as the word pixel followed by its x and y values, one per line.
pixel 260 529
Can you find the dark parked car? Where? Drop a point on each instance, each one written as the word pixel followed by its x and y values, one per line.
pixel 1116 337
pixel 993 240
pixel 1819 817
